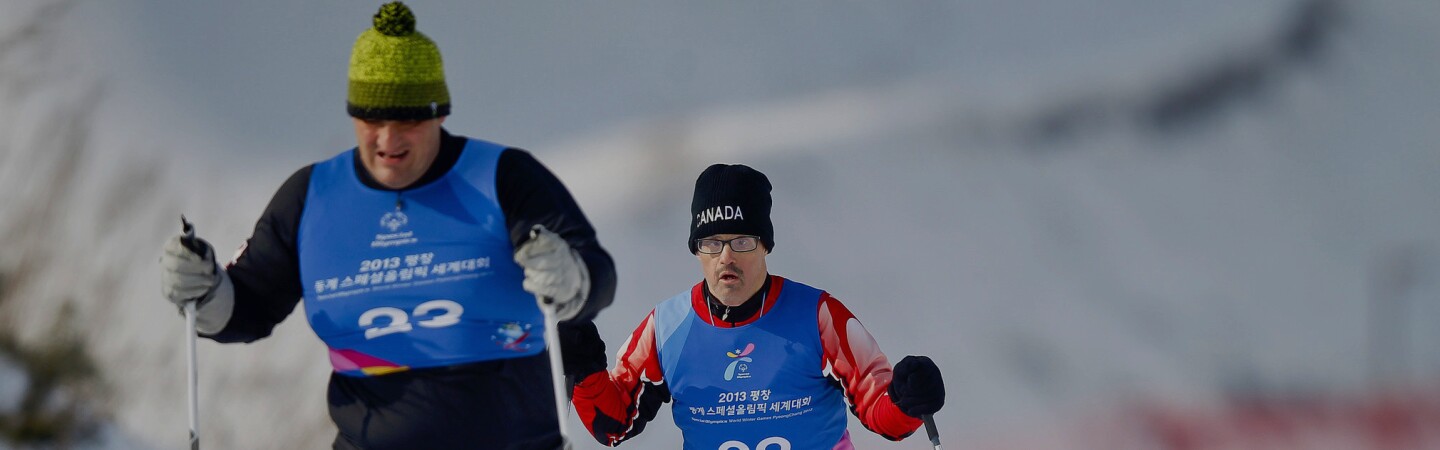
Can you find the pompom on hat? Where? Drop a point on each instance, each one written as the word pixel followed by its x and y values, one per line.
pixel 395 71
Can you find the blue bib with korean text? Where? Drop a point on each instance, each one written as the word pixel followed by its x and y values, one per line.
pixel 760 385
pixel 417 278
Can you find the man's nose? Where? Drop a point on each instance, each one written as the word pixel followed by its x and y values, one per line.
pixel 727 254
pixel 387 136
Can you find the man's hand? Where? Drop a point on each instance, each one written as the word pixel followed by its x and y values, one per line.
pixel 188 274
pixel 917 388
pixel 554 271
pixel 584 350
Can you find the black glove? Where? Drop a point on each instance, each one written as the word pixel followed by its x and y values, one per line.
pixel 917 388
pixel 581 349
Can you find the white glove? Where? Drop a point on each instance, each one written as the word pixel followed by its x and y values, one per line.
pixel 186 276
pixel 554 271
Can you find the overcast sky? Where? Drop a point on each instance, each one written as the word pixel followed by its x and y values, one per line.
pixel 271 74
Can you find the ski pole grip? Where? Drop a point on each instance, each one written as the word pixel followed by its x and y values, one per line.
pixel 931 431
pixel 189 240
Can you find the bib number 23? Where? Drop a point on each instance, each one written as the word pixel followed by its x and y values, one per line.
pixel 770 443
pixel 437 313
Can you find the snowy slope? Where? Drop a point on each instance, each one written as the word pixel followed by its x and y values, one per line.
pixel 1021 219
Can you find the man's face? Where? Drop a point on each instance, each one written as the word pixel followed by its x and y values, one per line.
pixel 397 152
pixel 733 276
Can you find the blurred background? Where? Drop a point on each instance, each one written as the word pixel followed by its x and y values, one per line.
pixel 1114 224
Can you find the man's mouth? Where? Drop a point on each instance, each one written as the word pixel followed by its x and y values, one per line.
pixel 728 277
pixel 392 156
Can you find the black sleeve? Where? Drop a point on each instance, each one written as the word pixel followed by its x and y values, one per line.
pixel 266 274
pixel 530 194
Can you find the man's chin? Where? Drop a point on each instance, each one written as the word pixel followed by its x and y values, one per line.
pixel 727 291
pixel 391 178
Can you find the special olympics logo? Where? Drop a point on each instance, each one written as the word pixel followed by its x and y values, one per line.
pixel 394 220
pixel 512 336
pixel 738 367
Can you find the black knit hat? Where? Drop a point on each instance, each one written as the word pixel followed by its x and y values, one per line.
pixel 731 199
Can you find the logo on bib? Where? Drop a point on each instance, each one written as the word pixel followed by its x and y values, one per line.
pixel 512 336
pixel 738 367
pixel 393 220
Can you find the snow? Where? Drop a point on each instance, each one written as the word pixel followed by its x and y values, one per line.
pixel 980 182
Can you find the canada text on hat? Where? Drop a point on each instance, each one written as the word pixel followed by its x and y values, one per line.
pixel 719 213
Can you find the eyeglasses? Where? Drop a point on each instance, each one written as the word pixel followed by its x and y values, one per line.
pixel 740 244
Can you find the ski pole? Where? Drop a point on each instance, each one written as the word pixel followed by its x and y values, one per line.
pixel 557 368
pixel 552 342
pixel 931 431
pixel 557 364
pixel 189 242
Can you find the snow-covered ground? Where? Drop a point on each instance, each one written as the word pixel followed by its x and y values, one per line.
pixel 1073 209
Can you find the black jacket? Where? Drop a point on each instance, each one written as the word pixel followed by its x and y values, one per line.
pixel 431 408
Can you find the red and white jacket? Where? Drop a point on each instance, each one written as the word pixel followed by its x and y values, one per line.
pixel 616 405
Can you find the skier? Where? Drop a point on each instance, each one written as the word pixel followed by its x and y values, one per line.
pixel 414 255
pixel 751 360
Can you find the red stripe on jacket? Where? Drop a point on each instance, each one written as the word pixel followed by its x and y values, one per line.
pixel 615 405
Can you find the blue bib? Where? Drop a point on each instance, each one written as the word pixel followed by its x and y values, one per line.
pixel 760 385
pixel 418 278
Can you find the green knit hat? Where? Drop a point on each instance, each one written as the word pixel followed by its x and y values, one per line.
pixel 395 71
